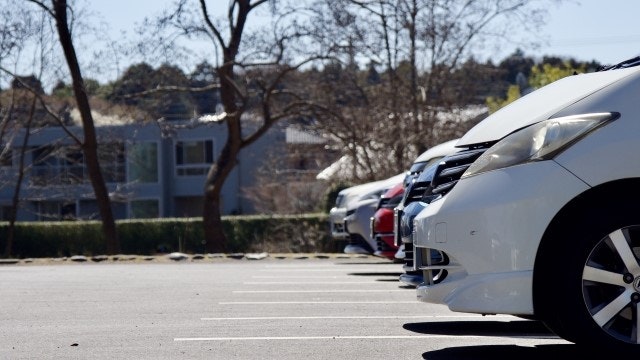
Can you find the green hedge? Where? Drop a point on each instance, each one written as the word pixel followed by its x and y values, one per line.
pixel 275 234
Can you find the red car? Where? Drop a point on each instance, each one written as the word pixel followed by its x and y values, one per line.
pixel 382 222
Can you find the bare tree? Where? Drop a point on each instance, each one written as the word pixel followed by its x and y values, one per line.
pixel 59 12
pixel 416 48
pixel 21 172
pixel 253 68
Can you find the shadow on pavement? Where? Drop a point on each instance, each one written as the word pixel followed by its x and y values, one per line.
pixel 374 262
pixel 550 351
pixel 517 328
pixel 396 274
pixel 394 279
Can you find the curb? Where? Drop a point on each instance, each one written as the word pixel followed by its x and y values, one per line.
pixel 181 257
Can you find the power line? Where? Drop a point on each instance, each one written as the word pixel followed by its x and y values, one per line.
pixel 599 40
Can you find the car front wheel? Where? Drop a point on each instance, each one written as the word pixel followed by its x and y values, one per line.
pixel 588 287
pixel 611 284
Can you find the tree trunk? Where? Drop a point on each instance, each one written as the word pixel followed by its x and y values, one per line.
pixel 90 143
pixel 16 193
pixel 215 238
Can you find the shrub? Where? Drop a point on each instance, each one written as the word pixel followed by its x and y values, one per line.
pixel 283 233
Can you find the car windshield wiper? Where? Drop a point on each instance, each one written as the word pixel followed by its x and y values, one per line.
pixel 625 64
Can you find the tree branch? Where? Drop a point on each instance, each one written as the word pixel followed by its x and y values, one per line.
pixel 257 3
pixel 43 6
pixel 210 25
pixel 168 89
pixel 42 101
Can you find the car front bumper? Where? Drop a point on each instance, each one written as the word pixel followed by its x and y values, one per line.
pixel 336 219
pixel 489 227
pixel 358 221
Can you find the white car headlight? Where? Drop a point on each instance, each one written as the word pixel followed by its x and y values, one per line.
pixel 540 141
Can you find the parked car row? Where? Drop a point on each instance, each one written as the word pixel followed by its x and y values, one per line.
pixel 535 213
pixel 351 216
pixel 363 214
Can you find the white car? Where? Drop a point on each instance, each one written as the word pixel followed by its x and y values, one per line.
pixel 359 204
pixel 545 223
pixel 426 160
pixel 429 157
pixel 350 217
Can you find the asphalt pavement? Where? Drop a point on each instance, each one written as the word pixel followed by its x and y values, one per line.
pixel 295 307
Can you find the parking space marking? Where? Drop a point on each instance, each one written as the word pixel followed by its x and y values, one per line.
pixel 315 266
pixel 308 282
pixel 313 269
pixel 355 317
pixel 304 277
pixel 337 337
pixel 315 291
pixel 313 302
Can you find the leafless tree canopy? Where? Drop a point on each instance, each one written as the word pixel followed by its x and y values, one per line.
pixel 254 68
pixel 399 72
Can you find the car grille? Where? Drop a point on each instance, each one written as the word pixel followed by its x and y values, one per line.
pixel 416 191
pixel 445 177
pixel 449 172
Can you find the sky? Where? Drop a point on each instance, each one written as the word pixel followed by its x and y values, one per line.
pixel 585 30
pixel 605 31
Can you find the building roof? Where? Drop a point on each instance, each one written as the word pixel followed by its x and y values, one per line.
pixel 295 135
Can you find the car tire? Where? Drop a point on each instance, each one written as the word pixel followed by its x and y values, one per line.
pixel 591 268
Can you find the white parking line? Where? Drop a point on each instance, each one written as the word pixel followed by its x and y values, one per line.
pixel 298 266
pixel 304 277
pixel 314 291
pixel 288 266
pixel 314 302
pixel 325 270
pixel 405 337
pixel 308 282
pixel 357 317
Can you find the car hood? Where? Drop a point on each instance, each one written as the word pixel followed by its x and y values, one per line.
pixel 440 150
pixel 355 193
pixel 540 105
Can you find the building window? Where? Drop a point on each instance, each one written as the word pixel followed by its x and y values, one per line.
pixel 5 212
pixel 54 165
pixel 88 210
pixel 143 162
pixel 6 157
pixel 144 209
pixel 188 206
pixel 59 165
pixel 112 162
pixel 56 211
pixel 193 157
